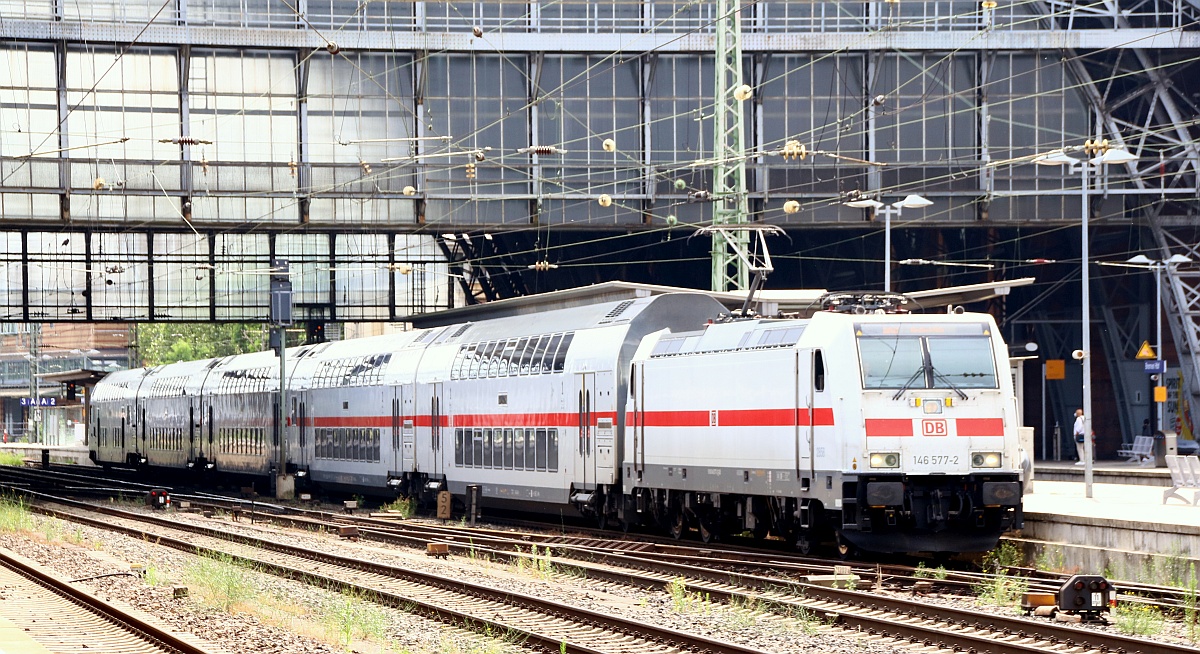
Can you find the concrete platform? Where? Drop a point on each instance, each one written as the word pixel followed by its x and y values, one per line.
pixel 1124 530
pixel 59 454
pixel 1105 472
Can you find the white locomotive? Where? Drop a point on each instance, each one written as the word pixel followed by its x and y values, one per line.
pixel 890 432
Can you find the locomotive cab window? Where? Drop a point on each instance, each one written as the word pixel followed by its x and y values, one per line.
pixel 921 356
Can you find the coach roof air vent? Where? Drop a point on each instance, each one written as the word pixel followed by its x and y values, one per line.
pixel 616 311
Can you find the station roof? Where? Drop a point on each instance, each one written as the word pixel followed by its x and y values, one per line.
pixel 85 376
pixel 771 302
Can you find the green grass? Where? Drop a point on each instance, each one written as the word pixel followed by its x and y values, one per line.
pixel 405 506
pixel 686 601
pixel 14 515
pixel 352 616
pixel 221 581
pixel 1002 589
pixel 1138 619
pixel 11 459
pixel 922 572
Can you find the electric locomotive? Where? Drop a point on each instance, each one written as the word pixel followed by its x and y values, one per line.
pixel 886 432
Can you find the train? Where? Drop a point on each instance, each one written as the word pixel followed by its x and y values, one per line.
pixel 861 427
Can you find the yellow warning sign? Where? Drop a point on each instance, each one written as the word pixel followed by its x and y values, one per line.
pixel 1056 369
pixel 1146 352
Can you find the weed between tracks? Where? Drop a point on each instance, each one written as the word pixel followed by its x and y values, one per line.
pixel 405 506
pixel 222 581
pixel 1138 619
pixel 15 515
pixel 1002 589
pixel 11 459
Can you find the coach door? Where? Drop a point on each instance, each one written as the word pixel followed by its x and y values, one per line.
pixel 585 409
pixel 638 428
pixel 403 436
pixel 437 417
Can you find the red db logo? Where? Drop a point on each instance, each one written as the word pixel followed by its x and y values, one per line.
pixel 933 427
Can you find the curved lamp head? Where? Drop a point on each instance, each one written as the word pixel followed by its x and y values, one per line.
pixel 912 202
pixel 1115 156
pixel 864 204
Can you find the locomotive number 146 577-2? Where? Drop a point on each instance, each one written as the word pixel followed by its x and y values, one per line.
pixel 935 460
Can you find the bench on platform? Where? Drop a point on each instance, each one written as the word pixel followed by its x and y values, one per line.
pixel 1141 450
pixel 1185 474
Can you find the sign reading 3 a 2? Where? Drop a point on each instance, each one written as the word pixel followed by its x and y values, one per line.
pixel 39 401
pixel 934 427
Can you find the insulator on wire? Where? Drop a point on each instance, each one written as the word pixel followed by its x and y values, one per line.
pixel 743 93
pixel 605 200
pixel 477 31
pixel 609 145
pixel 470 171
pixel 186 140
pixel 293 167
pixel 794 150
pixel 333 48
pixel 366 167
pixel 791 206
pixel 541 150
pixel 409 190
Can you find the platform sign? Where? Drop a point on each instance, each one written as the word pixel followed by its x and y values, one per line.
pixel 1146 352
pixel 1155 367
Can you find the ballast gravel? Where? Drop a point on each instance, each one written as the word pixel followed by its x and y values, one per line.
pixel 277 616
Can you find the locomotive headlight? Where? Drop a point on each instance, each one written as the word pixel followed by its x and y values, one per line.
pixel 885 459
pixel 986 459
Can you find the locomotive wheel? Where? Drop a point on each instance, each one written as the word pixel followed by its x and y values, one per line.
pixel 678 526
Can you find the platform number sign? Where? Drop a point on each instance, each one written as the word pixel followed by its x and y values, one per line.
pixel 934 427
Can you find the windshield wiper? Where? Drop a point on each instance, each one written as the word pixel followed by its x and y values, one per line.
pixel 920 372
pixel 939 376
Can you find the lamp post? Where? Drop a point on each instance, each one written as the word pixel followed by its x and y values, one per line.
pixel 1105 155
pixel 1146 263
pixel 909 202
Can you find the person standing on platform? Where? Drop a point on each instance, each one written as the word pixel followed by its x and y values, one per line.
pixel 1079 433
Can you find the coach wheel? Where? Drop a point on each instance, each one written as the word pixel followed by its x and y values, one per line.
pixel 707 533
pixel 845 549
pixel 804 545
pixel 678 525
pixel 602 519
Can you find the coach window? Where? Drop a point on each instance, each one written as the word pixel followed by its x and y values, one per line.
pixel 487 448
pixel 498 449
pixel 519 449
pixel 560 356
pixel 541 449
pixel 458 447
pixel 477 448
pixel 339 437
pixel 515 354
pixel 537 353
pixel 818 371
pixel 375 451
pixel 552 450
pixel 508 449
pixel 551 353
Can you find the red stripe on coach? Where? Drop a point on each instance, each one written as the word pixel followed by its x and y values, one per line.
pixel 980 426
pixel 889 427
pixel 755 418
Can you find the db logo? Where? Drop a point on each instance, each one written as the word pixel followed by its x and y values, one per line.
pixel 933 427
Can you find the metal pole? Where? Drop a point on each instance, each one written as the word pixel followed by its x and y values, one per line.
pixel 1045 453
pixel 281 468
pixel 1087 341
pixel 1158 406
pixel 887 248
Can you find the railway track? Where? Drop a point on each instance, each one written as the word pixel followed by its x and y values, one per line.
pixel 63 618
pixel 536 623
pixel 907 620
